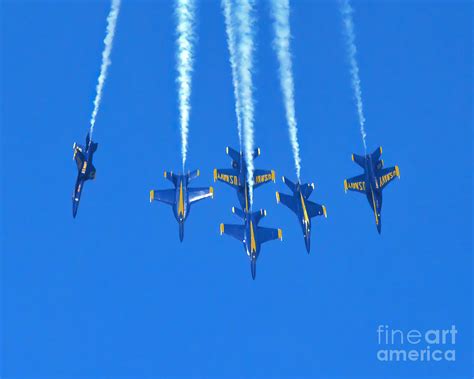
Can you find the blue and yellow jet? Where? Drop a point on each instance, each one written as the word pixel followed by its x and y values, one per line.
pixel 181 197
pixel 236 176
pixel 250 234
pixel 85 169
pixel 300 205
pixel 374 179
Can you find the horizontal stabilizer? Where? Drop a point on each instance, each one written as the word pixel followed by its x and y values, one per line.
pixel 359 159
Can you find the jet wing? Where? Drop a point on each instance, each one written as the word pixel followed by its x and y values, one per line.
pixel 229 176
pixel 196 194
pixel 79 157
pixel 386 175
pixel 268 234
pixel 357 184
pixel 314 209
pixel 263 176
pixel 236 231
pixel 287 200
pixel 165 196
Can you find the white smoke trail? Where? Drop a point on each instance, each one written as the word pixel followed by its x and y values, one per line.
pixel 245 68
pixel 231 42
pixel 281 23
pixel 185 14
pixel 346 11
pixel 108 42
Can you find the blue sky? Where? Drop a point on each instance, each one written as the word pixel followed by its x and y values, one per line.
pixel 114 294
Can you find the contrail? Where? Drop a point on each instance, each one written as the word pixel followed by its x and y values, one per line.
pixel 108 42
pixel 281 23
pixel 245 68
pixel 346 11
pixel 184 29
pixel 231 42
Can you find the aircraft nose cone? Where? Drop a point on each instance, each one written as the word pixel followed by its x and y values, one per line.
pixel 253 267
pixel 307 242
pixel 74 208
pixel 379 228
pixel 181 232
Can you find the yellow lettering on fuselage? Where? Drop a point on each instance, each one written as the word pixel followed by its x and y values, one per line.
pixel 181 201
pixel 84 167
pixel 253 245
pixel 306 218
pixel 232 179
pixel 263 178
pixel 387 177
pixel 358 186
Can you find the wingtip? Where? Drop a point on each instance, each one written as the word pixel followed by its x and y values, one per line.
pixel 233 209
pixel 345 185
pixel 198 172
pixel 221 229
pixel 325 212
pixel 164 174
pixel 211 191
pixel 397 171
pixel 277 194
pixel 380 148
pixel 280 234
pixel 152 195
pixel 283 179
pixel 215 174
pixel 352 156
pixel 273 176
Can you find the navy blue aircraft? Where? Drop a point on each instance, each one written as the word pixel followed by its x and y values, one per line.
pixel 374 179
pixel 236 176
pixel 300 205
pixel 181 197
pixel 85 169
pixel 250 234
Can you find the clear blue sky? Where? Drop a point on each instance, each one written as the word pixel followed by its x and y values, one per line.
pixel 113 292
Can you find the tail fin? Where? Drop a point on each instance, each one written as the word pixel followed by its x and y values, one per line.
pixel 88 139
pixel 289 183
pixel 256 153
pixel 170 176
pixel 234 154
pixel 359 159
pixel 93 147
pixel 238 212
pixel 259 215
pixel 376 154
pixel 193 174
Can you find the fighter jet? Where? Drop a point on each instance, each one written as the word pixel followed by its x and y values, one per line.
pixel 85 169
pixel 300 205
pixel 236 176
pixel 250 234
pixel 181 197
pixel 374 179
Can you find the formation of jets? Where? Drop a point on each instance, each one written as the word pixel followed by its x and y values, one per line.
pixel 374 179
